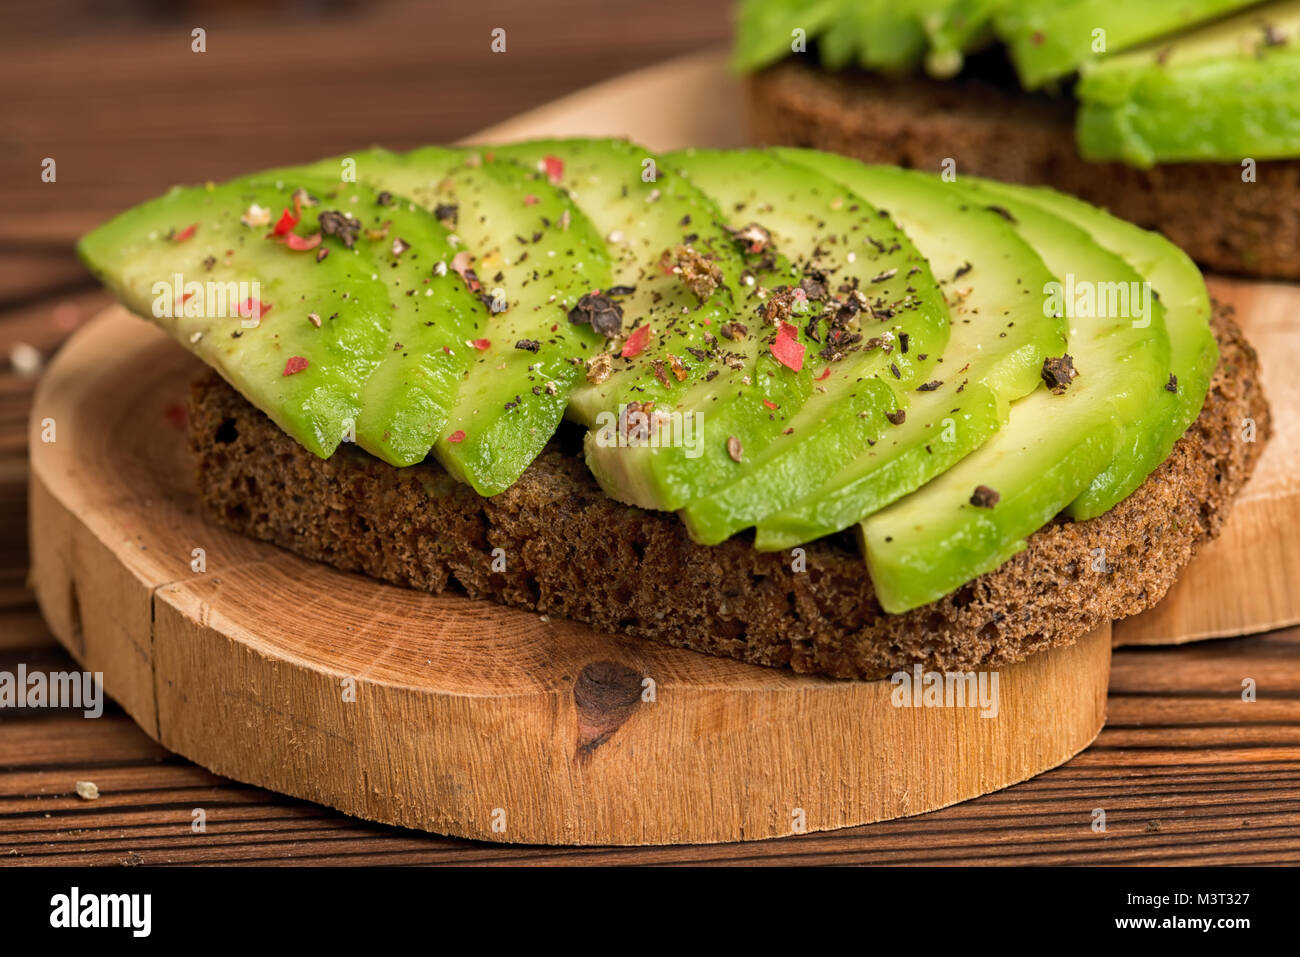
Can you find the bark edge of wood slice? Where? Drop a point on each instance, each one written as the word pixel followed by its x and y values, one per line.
pixel 453 716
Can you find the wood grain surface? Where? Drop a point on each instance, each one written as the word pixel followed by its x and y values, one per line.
pixel 1187 772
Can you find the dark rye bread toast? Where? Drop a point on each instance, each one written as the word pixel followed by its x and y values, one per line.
pixel 573 552
pixel 995 129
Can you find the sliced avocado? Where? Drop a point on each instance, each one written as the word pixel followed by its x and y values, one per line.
pixel 961 27
pixel 533 254
pixel 838 45
pixel 894 39
pixel 873 292
pixel 407 399
pixel 682 282
pixel 1224 91
pixel 882 35
pixel 530 254
pixel 978 514
pixel 1193 353
pixel 307 374
pixel 676 269
pixel 936 539
pixel 1049 39
pixel 765 29
pixel 743 395
pixel 939 430
pixel 994 285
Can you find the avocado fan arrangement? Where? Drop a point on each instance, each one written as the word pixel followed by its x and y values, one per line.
pixel 855 347
pixel 1156 82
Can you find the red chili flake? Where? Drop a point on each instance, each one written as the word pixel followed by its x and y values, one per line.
pixel 301 244
pixel 787 348
pixel 295 365
pixel 481 344
pixel 530 200
pixel 456 437
pixel 770 404
pixel 554 167
pixel 186 233
pixel 286 223
pixel 1038 38
pixel 251 307
pixel 554 327
pixel 636 342
pixel 825 374
pixel 447 349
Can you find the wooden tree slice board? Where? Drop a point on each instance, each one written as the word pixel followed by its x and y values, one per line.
pixel 468 718
pixel 1241 584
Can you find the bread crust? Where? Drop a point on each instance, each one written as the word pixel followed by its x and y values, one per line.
pixel 571 551
pixel 991 130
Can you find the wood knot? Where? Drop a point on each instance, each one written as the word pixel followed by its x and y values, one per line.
pixel 605 694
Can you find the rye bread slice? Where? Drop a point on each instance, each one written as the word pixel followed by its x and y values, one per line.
pixel 571 551
pixel 995 130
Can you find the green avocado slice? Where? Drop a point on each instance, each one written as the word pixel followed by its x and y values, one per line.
pixel 841 42
pixel 883 35
pixel 960 27
pixel 518 385
pixel 765 29
pixel 891 36
pixel 211 244
pixel 678 270
pixel 872 292
pixel 978 514
pixel 994 284
pixel 650 217
pixel 893 40
pixel 409 396
pixel 529 253
pixel 1193 353
pixel 1049 39
pixel 1222 92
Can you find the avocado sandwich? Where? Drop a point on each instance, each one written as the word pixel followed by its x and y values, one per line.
pixel 1179 115
pixel 777 405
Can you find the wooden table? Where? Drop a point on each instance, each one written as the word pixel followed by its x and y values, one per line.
pixel 1186 771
